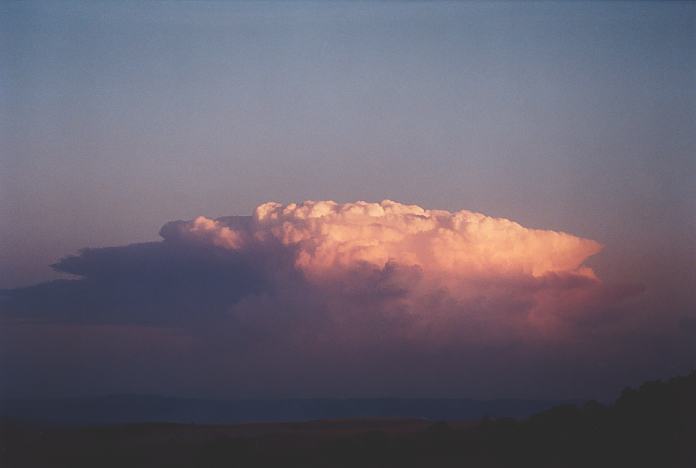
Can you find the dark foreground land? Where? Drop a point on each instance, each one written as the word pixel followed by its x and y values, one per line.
pixel 653 426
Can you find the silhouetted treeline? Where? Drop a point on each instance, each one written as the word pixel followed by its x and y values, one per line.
pixel 652 426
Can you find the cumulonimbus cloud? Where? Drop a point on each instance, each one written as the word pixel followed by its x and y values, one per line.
pixel 330 237
pixel 451 270
pixel 380 258
pixel 297 288
pixel 464 256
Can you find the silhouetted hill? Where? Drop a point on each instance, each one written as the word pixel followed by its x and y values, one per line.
pixel 134 409
pixel 652 426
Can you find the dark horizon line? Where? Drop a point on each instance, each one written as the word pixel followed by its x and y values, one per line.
pixel 317 398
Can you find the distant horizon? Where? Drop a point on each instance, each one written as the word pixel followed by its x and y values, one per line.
pixel 374 398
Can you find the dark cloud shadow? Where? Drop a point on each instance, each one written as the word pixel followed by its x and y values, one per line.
pixel 150 283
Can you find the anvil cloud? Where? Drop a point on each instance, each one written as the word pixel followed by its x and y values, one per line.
pixel 357 259
pixel 475 263
pixel 323 288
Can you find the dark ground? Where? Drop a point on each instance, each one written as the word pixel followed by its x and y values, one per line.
pixel 130 409
pixel 653 426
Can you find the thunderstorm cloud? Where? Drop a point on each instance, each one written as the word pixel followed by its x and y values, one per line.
pixel 354 297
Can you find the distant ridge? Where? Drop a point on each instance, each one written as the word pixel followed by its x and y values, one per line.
pixel 147 408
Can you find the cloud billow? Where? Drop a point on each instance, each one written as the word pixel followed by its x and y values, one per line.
pixel 412 258
pixel 307 289
pixel 386 254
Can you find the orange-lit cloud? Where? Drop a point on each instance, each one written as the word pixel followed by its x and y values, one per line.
pixel 330 236
pixel 476 264
pixel 315 288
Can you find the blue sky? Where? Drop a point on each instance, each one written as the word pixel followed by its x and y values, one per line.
pixel 118 117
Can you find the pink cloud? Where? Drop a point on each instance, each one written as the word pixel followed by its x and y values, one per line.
pixel 438 268
pixel 348 291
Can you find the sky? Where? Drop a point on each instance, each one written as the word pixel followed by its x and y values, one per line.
pixel 117 119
